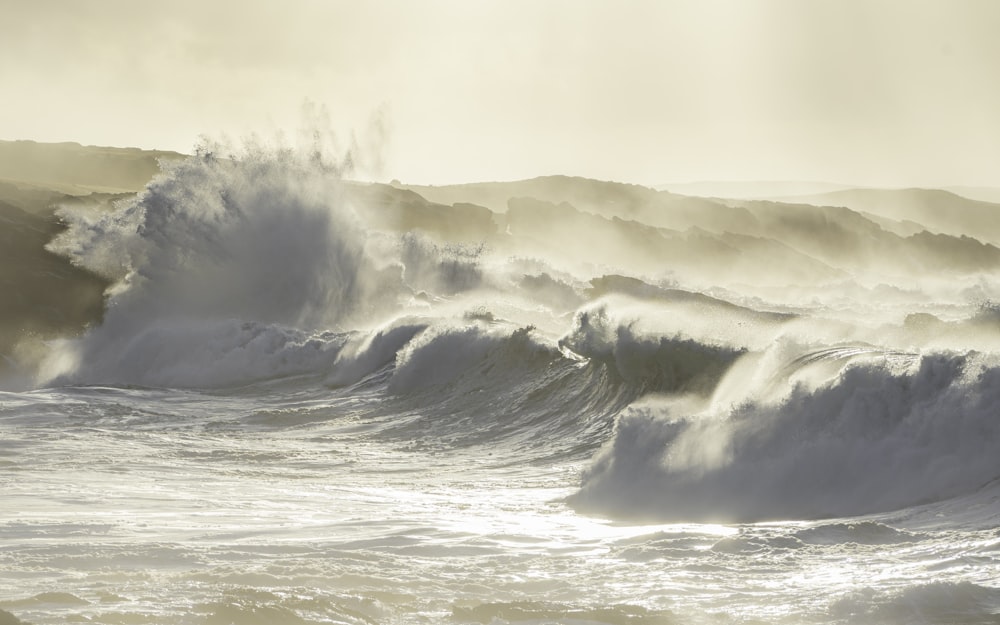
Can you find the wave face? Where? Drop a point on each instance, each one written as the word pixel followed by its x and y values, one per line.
pixel 879 435
pixel 349 402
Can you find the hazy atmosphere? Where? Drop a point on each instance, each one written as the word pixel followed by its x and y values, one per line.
pixel 863 92
pixel 500 313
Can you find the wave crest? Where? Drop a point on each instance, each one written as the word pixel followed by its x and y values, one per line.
pixel 879 436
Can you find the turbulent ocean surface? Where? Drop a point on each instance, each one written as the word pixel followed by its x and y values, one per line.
pixel 310 400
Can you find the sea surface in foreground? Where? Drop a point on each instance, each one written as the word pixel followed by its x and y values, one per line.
pixel 285 505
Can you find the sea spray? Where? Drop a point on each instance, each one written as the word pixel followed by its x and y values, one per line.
pixel 263 237
pixel 878 435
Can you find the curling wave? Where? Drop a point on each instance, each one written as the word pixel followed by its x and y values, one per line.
pixel 881 434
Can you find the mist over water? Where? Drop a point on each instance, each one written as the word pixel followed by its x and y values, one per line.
pixel 314 400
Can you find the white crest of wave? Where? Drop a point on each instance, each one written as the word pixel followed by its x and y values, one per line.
pixel 444 352
pixel 882 433
pixel 263 235
pixel 241 258
pixel 366 353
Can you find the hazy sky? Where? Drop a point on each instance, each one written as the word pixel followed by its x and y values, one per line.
pixel 883 92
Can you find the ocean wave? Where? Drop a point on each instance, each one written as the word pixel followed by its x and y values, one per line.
pixel 933 602
pixel 677 343
pixel 442 354
pixel 184 353
pixel 264 237
pixel 859 532
pixel 366 353
pixel 267 238
pixel 487 384
pixel 879 435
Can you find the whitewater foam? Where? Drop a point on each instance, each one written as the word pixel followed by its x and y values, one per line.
pixel 875 437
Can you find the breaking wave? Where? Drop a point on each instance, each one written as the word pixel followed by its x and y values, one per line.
pixel 880 434
pixel 717 396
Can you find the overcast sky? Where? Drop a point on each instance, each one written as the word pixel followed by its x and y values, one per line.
pixel 879 92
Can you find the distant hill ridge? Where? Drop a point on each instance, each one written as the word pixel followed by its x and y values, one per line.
pixel 747 190
pixel 800 190
pixel 75 169
pixel 938 210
